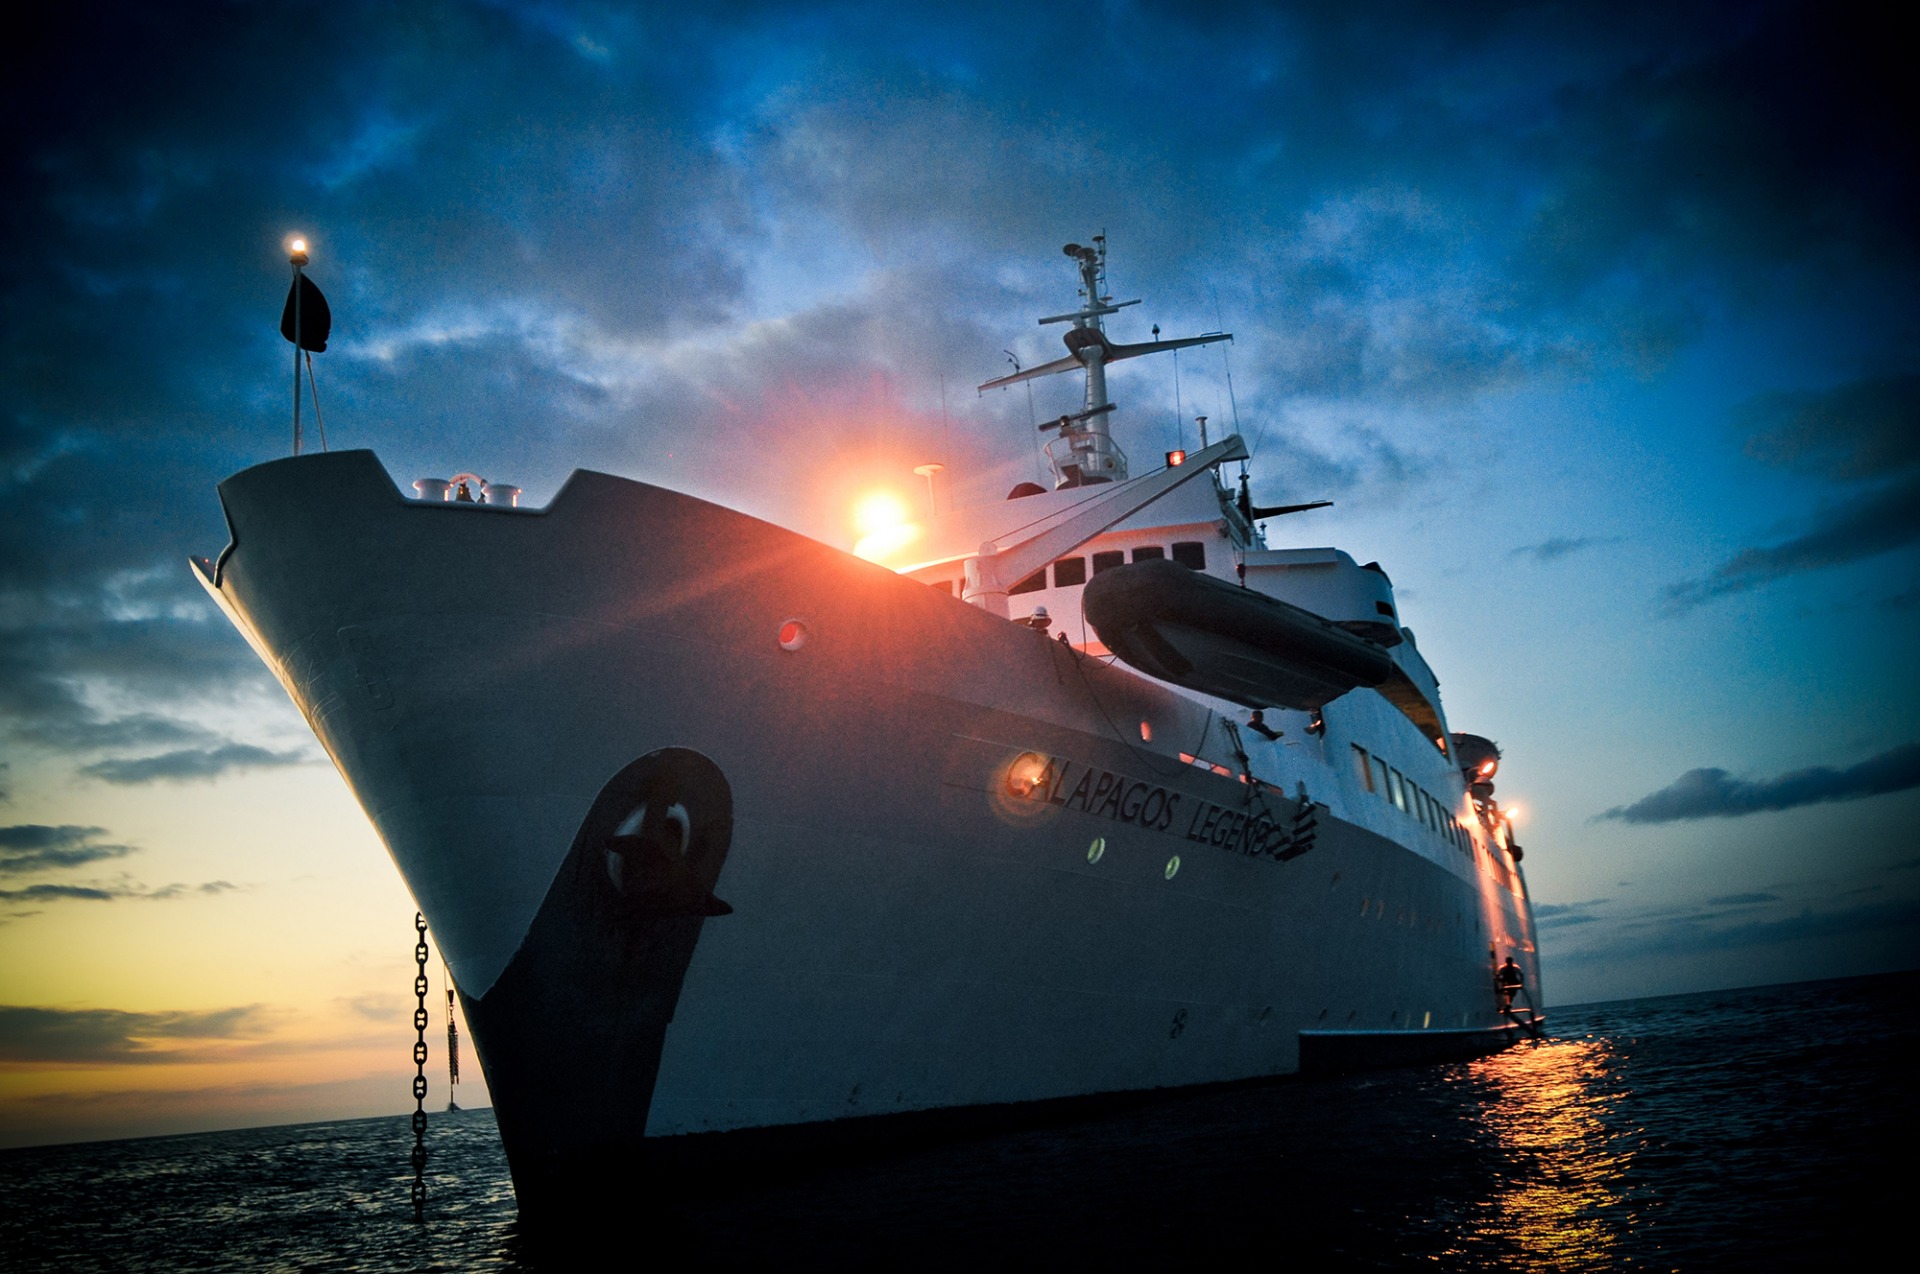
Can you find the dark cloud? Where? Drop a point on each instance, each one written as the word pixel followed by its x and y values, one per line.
pixel 38 836
pixel 191 763
pixel 30 847
pixel 1861 430
pixel 1556 547
pixel 1877 521
pixel 108 893
pixel 211 888
pixel 1709 931
pixel 1859 434
pixel 1564 921
pixel 1549 915
pixel 1713 793
pixel 79 730
pixel 1742 900
pixel 93 1036
pixel 614 181
pixel 50 674
pixel 51 893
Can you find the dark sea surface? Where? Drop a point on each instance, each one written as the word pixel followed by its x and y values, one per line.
pixel 1736 1130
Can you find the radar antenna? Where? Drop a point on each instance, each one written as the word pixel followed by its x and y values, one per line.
pixel 1084 452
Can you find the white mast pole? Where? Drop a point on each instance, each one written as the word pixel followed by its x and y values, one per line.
pixel 297 256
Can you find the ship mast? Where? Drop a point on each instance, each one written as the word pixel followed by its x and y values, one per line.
pixel 1084 452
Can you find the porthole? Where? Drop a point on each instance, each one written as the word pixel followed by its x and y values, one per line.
pixel 792 635
pixel 1173 867
pixel 1096 850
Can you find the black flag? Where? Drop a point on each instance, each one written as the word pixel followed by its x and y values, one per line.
pixel 316 320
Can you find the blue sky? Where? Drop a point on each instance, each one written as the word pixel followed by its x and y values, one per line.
pixel 1596 322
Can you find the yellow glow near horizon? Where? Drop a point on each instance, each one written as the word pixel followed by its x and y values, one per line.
pixel 284 994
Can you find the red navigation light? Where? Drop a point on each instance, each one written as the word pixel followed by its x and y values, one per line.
pixel 1175 459
pixel 793 635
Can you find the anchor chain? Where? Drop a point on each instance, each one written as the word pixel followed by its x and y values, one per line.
pixel 420 1020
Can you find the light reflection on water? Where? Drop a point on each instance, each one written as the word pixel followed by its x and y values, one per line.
pixel 1558 1194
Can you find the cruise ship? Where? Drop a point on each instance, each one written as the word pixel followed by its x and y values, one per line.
pixel 732 838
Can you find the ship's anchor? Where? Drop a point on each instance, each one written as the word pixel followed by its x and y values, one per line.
pixel 647 861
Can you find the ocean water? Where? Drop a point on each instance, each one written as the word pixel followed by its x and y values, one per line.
pixel 1738 1130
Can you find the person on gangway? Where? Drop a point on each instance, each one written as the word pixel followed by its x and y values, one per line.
pixel 1509 980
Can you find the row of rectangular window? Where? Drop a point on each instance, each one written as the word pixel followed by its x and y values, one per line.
pixel 1397 789
pixel 1070 572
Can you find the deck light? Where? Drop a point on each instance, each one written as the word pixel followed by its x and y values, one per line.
pixel 1028 772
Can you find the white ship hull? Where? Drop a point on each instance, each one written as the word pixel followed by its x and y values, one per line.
pixel 958 874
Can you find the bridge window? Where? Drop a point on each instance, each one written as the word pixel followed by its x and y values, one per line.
pixel 1149 553
pixel 1069 571
pixel 1359 754
pixel 1191 554
pixel 1107 561
pixel 1031 584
